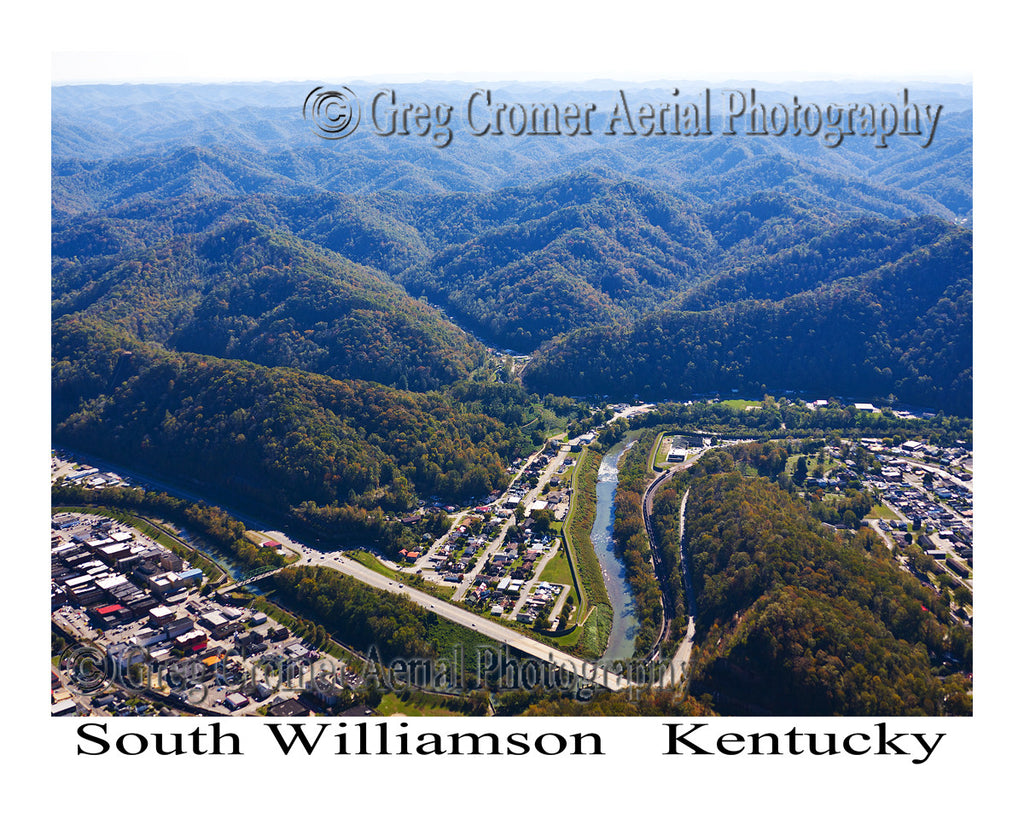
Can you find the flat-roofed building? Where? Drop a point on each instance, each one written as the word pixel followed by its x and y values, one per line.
pixel 160 615
pixel 170 561
pixel 180 626
pixel 65 708
pixel 192 577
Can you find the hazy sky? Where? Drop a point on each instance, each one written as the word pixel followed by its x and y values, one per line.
pixel 534 39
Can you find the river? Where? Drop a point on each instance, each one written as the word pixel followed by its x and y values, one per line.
pixel 624 621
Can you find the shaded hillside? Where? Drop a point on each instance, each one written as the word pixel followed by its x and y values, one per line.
pixel 794 619
pixel 243 291
pixel 277 436
pixel 904 328
pixel 575 251
pixel 829 254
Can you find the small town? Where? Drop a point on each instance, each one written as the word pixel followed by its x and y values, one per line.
pixel 152 613
pixel 120 591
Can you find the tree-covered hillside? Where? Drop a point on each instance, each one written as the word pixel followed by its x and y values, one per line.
pixel 240 290
pixel 275 436
pixel 794 619
pixel 577 251
pixel 901 329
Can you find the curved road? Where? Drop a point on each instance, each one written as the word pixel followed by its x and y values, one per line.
pixel 676 669
pixel 659 571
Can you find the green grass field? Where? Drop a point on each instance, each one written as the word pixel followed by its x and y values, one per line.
pixel 591 639
pixel 373 563
pixel 557 570
pixel 415 704
pixel 882 512
pixel 659 452
pixel 739 403
pixel 828 463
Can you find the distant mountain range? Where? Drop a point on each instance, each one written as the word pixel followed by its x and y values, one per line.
pixel 251 137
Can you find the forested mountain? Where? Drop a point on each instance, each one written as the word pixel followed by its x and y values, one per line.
pixel 89 185
pixel 576 251
pixel 828 254
pixel 354 227
pixel 243 291
pixel 281 437
pixel 903 328
pixel 526 265
pixel 792 617
pixel 763 223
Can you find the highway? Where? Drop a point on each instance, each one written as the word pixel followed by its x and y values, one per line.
pixel 485 626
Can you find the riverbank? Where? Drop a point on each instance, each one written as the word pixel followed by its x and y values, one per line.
pixel 625 625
